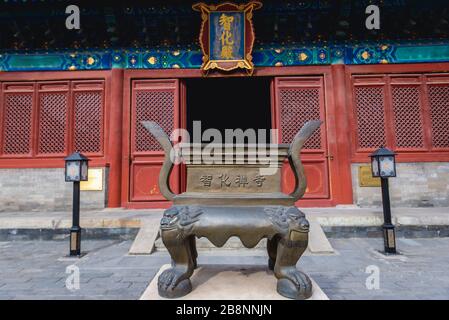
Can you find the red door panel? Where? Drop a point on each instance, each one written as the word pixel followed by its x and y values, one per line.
pixel 156 100
pixel 297 100
pixel 144 181
pixel 317 179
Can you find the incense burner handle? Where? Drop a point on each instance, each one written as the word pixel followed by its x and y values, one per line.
pixel 167 167
pixel 294 157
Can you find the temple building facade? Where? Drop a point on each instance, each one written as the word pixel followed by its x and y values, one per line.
pixel 88 89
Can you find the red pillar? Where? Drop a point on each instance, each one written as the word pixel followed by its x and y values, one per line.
pixel 115 138
pixel 343 137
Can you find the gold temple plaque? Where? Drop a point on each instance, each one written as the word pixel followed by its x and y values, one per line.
pixel 366 178
pixel 95 182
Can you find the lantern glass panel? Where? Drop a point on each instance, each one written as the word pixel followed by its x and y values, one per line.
pixel 387 166
pixel 84 171
pixel 375 166
pixel 73 171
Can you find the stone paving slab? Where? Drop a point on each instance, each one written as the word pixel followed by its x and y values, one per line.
pixel 35 270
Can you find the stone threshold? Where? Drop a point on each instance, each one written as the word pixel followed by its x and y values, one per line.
pixel 122 234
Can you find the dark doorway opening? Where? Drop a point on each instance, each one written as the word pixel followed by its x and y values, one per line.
pixel 229 103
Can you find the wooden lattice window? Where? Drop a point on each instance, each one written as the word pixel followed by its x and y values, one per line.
pixel 300 99
pixel 439 115
pixel 407 113
pixel 88 122
pixel 370 116
pixel 408 117
pixel 52 136
pixel 298 105
pixel 17 123
pixel 155 105
pixel 51 118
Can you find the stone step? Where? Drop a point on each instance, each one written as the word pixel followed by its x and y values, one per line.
pixel 145 239
pixel 318 242
pixel 224 282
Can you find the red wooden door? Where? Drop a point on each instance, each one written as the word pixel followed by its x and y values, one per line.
pixel 297 100
pixel 156 100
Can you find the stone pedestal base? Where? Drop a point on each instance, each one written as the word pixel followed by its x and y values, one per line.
pixel 230 282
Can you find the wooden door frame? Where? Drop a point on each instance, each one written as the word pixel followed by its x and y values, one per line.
pixel 311 155
pixel 127 143
pixel 340 182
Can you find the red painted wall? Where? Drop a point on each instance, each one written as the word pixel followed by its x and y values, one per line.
pixel 342 103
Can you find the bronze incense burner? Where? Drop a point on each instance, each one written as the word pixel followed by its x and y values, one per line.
pixel 232 198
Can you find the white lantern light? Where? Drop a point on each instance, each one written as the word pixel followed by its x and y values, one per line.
pixel 76 168
pixel 387 166
pixel 383 163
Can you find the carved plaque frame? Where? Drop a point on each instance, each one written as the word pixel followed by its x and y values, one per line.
pixel 242 62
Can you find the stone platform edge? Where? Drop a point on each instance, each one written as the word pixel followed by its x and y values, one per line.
pixel 225 282
pixel 122 218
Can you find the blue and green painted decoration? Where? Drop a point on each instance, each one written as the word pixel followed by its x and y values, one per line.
pixel 191 59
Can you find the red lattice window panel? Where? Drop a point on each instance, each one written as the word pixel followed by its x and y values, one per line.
pixel 17 122
pixel 52 123
pixel 439 115
pixel 156 106
pixel 297 106
pixel 408 120
pixel 88 122
pixel 369 107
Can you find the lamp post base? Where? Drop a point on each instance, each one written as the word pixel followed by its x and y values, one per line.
pixel 75 241
pixel 389 238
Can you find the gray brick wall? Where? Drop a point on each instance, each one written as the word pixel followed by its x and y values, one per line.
pixel 44 189
pixel 416 185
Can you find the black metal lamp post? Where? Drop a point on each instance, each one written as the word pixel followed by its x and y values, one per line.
pixel 76 170
pixel 383 165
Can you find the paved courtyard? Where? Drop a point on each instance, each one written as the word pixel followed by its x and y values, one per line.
pixel 37 269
